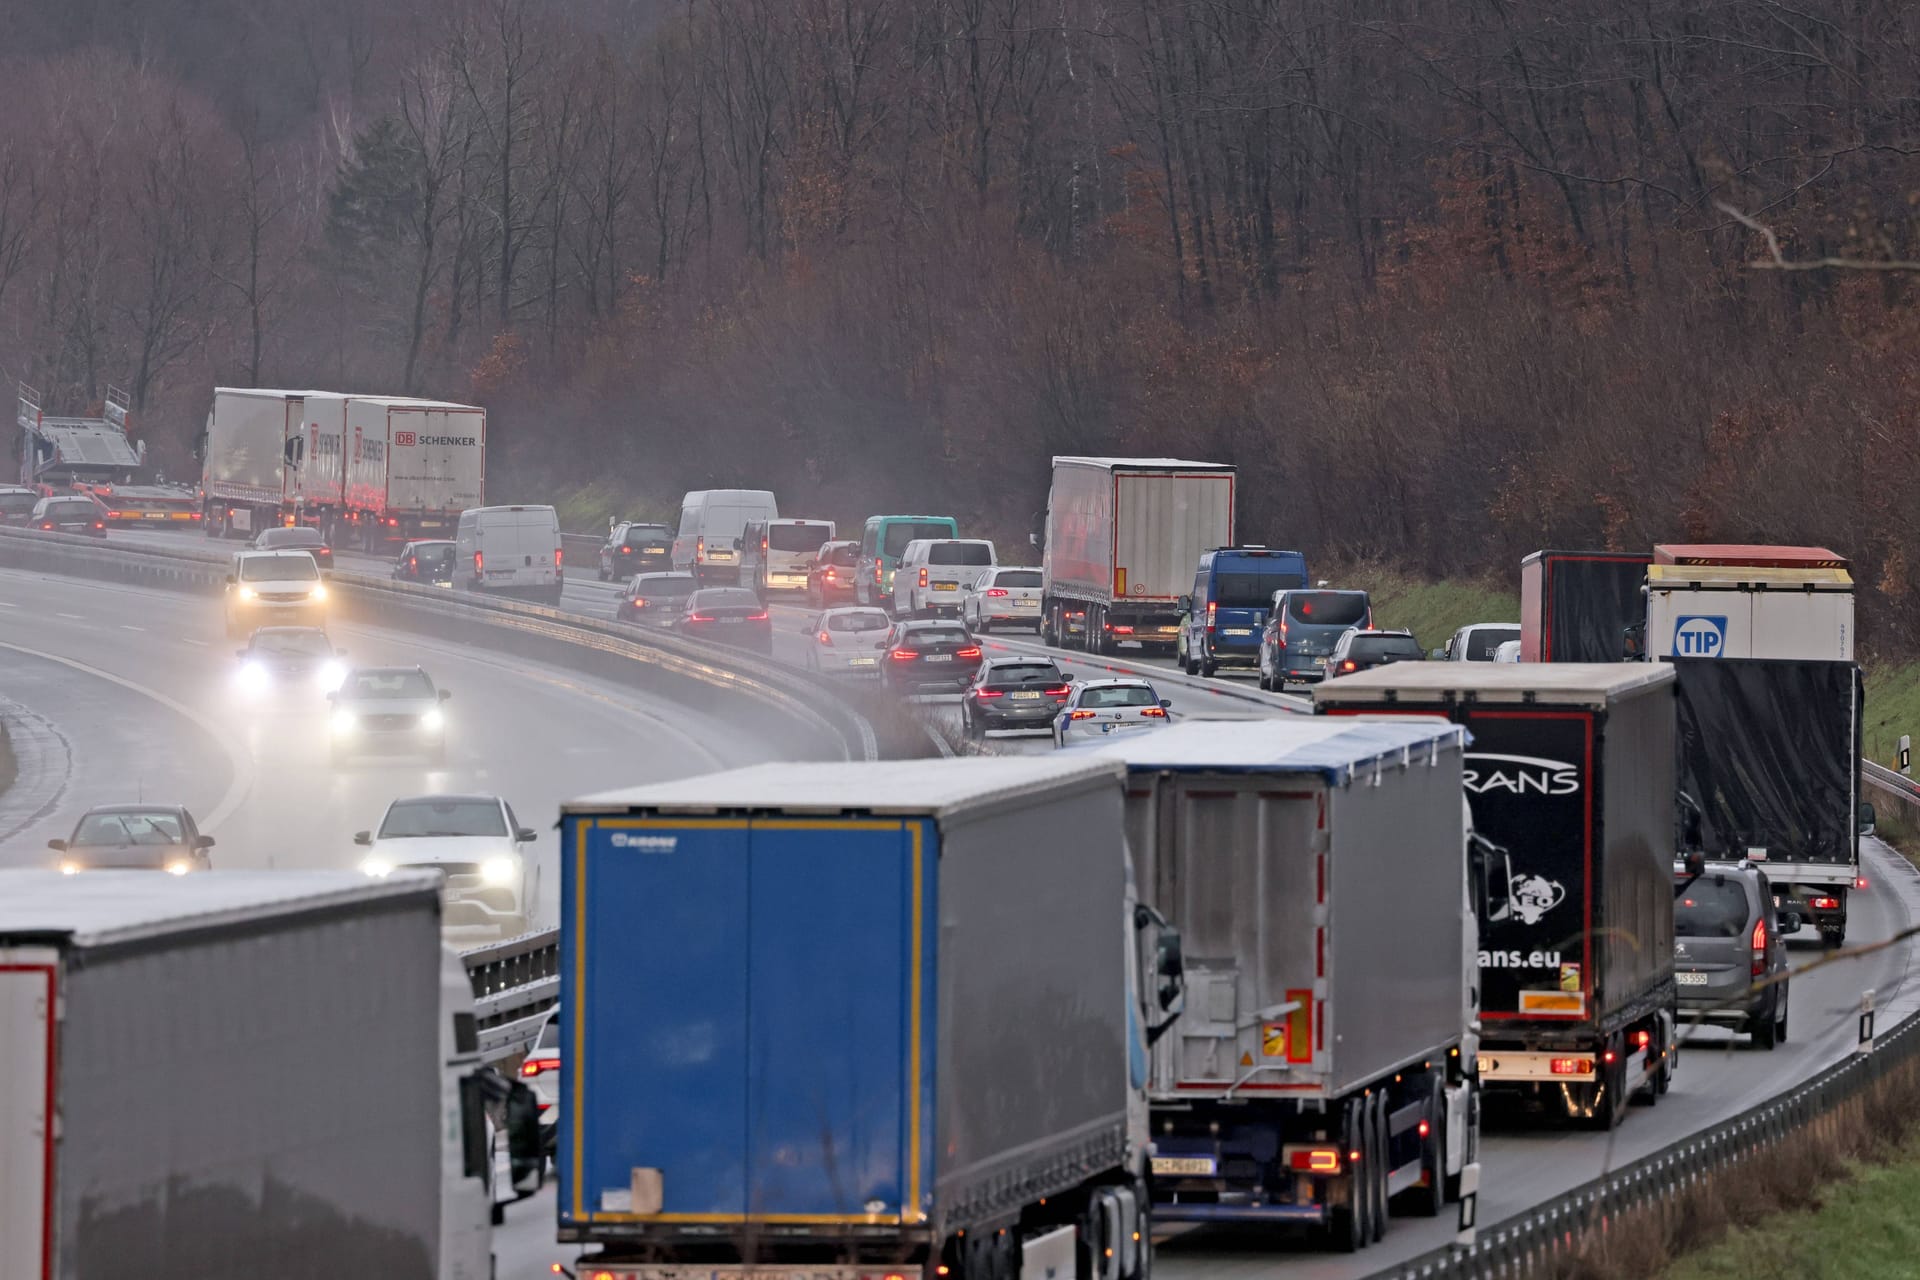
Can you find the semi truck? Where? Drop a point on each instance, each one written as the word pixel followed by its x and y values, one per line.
pixel 1749 602
pixel 170 1048
pixel 1317 1075
pixel 853 1021
pixel 1119 546
pixel 1570 774
pixel 373 470
pixel 95 456
pixel 1768 765
pixel 1579 606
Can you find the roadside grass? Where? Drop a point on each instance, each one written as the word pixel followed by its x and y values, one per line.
pixel 1893 708
pixel 1433 611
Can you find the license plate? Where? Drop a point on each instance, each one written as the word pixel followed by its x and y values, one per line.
pixel 1239 631
pixel 654 551
pixel 1184 1166
pixel 1026 604
pixel 1320 662
pixel 1691 979
pixel 447 585
pixel 153 515
pixel 939 657
pixel 731 622
pixel 863 662
pixel 1169 631
pixel 1025 697
pixel 946 586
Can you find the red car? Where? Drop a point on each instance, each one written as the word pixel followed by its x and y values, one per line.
pixel 929 656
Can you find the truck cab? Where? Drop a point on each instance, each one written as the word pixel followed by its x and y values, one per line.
pixel 1233 590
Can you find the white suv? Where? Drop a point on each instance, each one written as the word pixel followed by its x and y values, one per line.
pixel 274 589
pixel 1004 598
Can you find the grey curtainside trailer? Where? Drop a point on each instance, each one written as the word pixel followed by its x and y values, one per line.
pixel 170 1051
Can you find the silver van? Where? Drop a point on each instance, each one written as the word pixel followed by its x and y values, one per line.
pixel 713 523
pixel 509 551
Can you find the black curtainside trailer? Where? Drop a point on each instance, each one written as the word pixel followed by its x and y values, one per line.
pixel 1578 606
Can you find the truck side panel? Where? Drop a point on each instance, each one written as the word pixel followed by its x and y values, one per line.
pixel 1079 546
pixel 1162 523
pixel 366 448
pixel 321 477
pixel 29 985
pixel 1636 799
pixel 180 1148
pixel 246 440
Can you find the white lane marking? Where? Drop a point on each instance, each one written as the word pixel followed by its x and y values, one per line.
pixel 77 617
pixel 242 767
pixel 125 627
pixel 191 640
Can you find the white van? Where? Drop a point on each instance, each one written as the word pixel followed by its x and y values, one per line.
pixel 712 524
pixel 777 554
pixel 936 574
pixel 510 550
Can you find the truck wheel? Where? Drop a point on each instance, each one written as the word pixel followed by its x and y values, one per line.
pixel 1380 1170
pixel 1347 1226
pixel 1427 1200
pixel 1833 936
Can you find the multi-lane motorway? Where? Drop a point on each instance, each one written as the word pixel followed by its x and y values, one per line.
pixel 127 691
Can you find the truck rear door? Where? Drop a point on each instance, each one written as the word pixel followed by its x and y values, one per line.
pixel 28 983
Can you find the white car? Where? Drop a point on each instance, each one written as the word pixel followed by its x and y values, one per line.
pixel 1003 598
pixel 540 1069
pixel 1509 651
pixel 274 589
pixel 849 641
pixel 1479 642
pixel 1098 709
pixel 474 842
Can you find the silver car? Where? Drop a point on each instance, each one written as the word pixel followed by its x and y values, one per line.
pixel 388 711
pixel 1003 598
pixel 1098 709
pixel 849 641
pixel 1730 950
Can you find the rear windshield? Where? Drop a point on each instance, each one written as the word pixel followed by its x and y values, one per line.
pixel 845 556
pixel 1332 608
pixel 1384 647
pixel 1017 578
pixel 433 552
pixel 157 828
pixel 1120 695
pixel 934 635
pixel 970 553
pixel 16 503
pixel 66 506
pixel 1236 589
pixel 443 818
pixel 305 644
pixel 641 536
pixel 724 598
pixel 279 568
pixel 901 532
pixel 1482 641
pixel 796 537
pixel 658 588
pixel 1711 908
pixel 1026 673
pixel 388 684
pixel 298 537
pixel 857 622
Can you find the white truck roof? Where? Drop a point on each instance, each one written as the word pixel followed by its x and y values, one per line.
pixel 103 907
pixel 1142 464
pixel 1334 747
pixel 937 787
pixel 1680 577
pixel 1579 684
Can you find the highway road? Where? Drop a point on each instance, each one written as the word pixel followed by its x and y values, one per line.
pixel 521 735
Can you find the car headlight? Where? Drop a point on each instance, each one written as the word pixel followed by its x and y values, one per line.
pixel 379 868
pixel 254 677
pixel 332 676
pixel 318 593
pixel 246 593
pixel 179 867
pixel 499 871
pixel 432 720
pixel 345 721
pixel 69 868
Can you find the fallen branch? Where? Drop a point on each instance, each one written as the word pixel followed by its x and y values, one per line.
pixel 1778 261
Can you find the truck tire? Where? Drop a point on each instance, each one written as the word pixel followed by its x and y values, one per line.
pixel 1347 1227
pixel 1427 1200
pixel 1380 1162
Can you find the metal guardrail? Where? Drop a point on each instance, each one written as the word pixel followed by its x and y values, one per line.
pixel 516 983
pixel 1890 780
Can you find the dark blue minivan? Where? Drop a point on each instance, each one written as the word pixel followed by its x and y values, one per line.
pixel 1302 630
pixel 1233 588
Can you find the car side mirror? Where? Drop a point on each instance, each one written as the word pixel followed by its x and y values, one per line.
pixel 524 834
pixel 445 694
pixel 363 837
pixel 203 842
pixel 58 846
pixel 229 579
pixel 1186 604
pixel 1166 704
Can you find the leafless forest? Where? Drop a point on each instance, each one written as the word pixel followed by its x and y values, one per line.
pixel 1446 278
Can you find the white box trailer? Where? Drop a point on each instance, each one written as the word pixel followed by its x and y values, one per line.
pixel 1749 611
pixel 266 454
pixel 170 1052
pixel 1318 871
pixel 412 466
pixel 1122 538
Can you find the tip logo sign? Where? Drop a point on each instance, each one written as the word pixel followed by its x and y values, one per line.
pixel 1699 636
pixel 401 439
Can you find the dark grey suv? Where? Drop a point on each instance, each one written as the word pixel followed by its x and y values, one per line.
pixel 1730 950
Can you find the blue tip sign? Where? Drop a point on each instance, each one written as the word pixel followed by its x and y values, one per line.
pixel 1699 636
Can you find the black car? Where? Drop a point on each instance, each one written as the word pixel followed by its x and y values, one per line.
pixel 929 655
pixel 70 514
pixel 633 548
pixel 1014 693
pixel 655 599
pixel 134 837
pixel 727 615
pixel 429 562
pixel 1730 950
pixel 17 504
pixel 296 537
pixel 1363 650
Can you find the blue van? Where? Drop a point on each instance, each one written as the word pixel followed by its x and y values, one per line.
pixel 1302 630
pixel 1233 588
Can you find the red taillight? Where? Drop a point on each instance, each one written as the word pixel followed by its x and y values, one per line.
pixel 699 617
pixel 904 655
pixel 971 651
pixel 1060 692
pixel 1571 1066
pixel 1824 904
pixel 534 1066
pixel 1157 712
pixel 1120 630
pixel 1314 1159
pixel 876 571
pixel 824 638
pixel 763 546
pixel 1861 883
pixel 1759 946
pixel 757 617
pixel 1211 607
pixel 923 576
pixel 559 553
pixel 988 693
pixel 1641 1039
pixel 194 516
pixel 626 551
pixel 47 525
pixel 829 575
pixel 995 592
pixel 98 525
pixel 413 562
pixel 1349 665
pixel 393 522
pixel 1426 1128
pixel 1080 715
pixel 638 602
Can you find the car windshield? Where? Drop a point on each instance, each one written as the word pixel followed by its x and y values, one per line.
pixel 299 644
pixel 1118 695
pixel 1025 673
pixel 723 598
pixel 857 622
pixel 1240 589
pixel 662 588
pixel 1017 578
pixel 299 568
pixel 15 504
pixel 1384 647
pixel 968 553
pixel 1482 641
pixel 387 684
pixel 933 635
pixel 845 555
pixel 442 817
pixel 1328 608
pixel 1711 907
pixel 297 537
pixel 795 537
pixel 147 827
pixel 901 532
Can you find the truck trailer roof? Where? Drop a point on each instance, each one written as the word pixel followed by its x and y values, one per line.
pixel 1582 684
pixel 1753 577
pixel 1748 554
pixel 1335 749
pixel 102 908
pixel 937 787
pixel 1142 464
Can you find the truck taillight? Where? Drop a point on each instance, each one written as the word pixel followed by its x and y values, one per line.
pixel 1824 904
pixel 1313 1159
pixel 1861 883
pixel 1571 1066
pixel 559 554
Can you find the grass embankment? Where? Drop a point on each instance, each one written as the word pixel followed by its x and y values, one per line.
pixel 1433 611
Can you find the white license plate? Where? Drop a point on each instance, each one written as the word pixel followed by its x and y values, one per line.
pixel 1320 662
pixel 1026 604
pixel 447 585
pixel 731 622
pixel 1025 697
pixel 1184 1166
pixel 1238 631
pixel 863 662
pixel 939 657
pixel 1691 979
